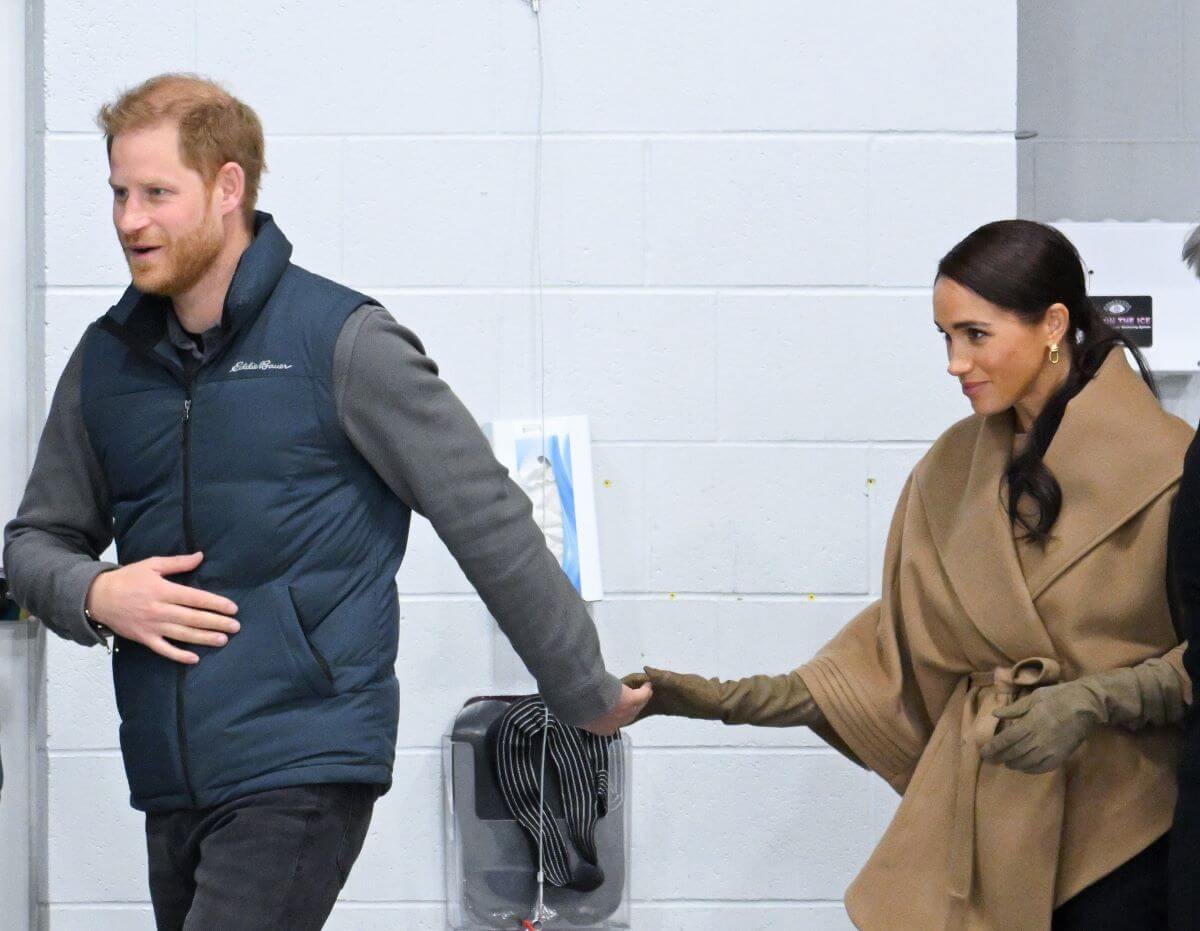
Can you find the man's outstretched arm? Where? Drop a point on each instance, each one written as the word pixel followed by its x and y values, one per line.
pixel 425 445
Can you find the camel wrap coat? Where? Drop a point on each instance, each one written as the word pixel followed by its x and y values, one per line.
pixel 971 618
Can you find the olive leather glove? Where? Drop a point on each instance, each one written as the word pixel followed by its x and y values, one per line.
pixel 1040 731
pixel 768 701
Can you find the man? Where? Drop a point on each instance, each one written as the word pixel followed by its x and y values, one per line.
pixel 256 437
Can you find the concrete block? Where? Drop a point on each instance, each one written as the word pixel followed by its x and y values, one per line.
pixel 93 52
pixel 593 211
pixel 68 315
pixel 439 212
pixel 428 567
pixel 460 212
pixel 302 189
pixel 99 918
pixel 81 711
pixel 884 802
pixel 756 211
pixel 444 659
pixel 457 66
pixel 81 243
pixel 720 916
pixel 484 346
pixel 620 488
pixel 778 66
pixel 927 194
pixel 921 81
pixel 412 916
pixel 642 367
pixel 509 675
pixel 706 66
pixel 806 367
pixel 96 843
pixel 402 857
pixel 805 836
pixel 890 467
pixel 757 519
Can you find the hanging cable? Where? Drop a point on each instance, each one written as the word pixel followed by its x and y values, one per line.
pixel 540 912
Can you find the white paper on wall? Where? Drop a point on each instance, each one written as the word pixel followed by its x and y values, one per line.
pixel 556 474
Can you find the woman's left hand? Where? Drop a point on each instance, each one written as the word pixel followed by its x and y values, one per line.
pixel 1040 731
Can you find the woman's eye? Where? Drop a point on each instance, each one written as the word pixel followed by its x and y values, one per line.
pixel 975 335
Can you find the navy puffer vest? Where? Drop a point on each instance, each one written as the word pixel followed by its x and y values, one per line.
pixel 245 460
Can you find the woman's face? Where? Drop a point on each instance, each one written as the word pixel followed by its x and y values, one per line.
pixel 1000 360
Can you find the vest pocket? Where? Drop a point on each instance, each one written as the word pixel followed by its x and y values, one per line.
pixel 308 661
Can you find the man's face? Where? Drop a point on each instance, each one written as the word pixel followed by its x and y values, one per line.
pixel 167 218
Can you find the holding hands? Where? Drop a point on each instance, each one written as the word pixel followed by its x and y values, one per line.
pixel 628 709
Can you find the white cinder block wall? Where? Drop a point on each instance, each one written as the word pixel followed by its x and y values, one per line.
pixel 744 204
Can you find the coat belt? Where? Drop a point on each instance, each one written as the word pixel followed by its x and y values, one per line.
pixel 986 691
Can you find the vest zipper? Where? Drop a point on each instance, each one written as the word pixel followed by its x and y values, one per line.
pixel 190 545
pixel 188 536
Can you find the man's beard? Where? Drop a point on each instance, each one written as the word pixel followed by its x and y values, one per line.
pixel 185 262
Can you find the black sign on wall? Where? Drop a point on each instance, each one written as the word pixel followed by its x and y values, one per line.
pixel 1131 315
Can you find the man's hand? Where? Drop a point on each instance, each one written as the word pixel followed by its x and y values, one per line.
pixel 138 603
pixel 624 712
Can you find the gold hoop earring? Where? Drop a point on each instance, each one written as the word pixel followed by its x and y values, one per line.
pixel 1054 356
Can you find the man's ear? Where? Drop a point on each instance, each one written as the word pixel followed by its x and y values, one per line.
pixel 230 187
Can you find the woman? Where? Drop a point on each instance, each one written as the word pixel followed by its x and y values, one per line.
pixel 1018 679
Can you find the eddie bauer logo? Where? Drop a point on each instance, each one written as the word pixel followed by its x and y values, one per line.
pixel 257 366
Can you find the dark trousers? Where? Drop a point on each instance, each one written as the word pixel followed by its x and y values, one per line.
pixel 274 859
pixel 1133 897
pixel 1185 843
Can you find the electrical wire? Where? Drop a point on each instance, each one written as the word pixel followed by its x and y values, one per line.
pixel 539 908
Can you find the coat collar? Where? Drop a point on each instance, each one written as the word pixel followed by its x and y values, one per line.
pixel 1115 452
pixel 140 319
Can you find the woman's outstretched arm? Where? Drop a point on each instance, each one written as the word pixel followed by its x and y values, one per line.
pixel 765 701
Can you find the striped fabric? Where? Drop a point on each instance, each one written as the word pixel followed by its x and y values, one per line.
pixel 581 765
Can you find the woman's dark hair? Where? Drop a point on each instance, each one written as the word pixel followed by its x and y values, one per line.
pixel 1023 268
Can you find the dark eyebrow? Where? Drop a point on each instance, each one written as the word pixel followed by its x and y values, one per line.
pixel 969 325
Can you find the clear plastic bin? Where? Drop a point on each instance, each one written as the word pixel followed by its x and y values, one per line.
pixel 491 868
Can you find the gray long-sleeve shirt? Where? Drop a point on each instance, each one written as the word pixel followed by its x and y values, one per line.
pixel 415 433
